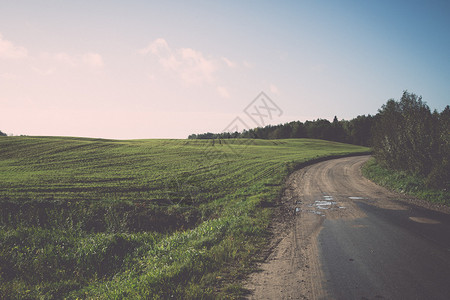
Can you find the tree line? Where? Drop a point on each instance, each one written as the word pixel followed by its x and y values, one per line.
pixel 356 131
pixel 404 135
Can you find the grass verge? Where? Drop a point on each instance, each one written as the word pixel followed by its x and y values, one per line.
pixel 404 183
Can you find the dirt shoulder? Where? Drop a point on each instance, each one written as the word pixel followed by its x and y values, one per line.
pixel 291 267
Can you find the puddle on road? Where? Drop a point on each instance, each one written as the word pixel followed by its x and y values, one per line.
pixel 327 203
pixel 323 204
pixel 298 209
pixel 319 206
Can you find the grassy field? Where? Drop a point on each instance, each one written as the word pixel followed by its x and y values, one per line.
pixel 403 182
pixel 91 218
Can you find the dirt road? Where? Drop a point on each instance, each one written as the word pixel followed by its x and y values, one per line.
pixel 339 236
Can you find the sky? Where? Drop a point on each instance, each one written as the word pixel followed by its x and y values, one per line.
pixel 167 69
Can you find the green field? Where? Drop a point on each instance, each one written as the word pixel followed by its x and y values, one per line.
pixel 92 218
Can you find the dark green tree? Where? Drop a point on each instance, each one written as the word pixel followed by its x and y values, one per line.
pixel 407 136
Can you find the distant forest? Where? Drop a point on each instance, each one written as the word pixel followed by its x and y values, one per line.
pixel 404 135
pixel 357 131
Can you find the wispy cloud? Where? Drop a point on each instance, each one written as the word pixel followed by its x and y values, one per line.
pixel 44 71
pixel 157 46
pixel 9 50
pixel 93 59
pixel 190 65
pixel 63 58
pixel 223 92
pixel 274 89
pixel 229 63
pixel 8 76
pixel 247 64
pixel 195 68
pixel 89 59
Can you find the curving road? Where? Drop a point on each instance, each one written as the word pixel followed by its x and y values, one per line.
pixel 351 239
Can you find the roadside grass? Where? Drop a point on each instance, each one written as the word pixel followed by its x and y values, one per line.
pixel 158 219
pixel 404 183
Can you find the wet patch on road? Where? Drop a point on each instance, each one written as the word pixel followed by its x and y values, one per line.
pixel 323 204
pixel 359 226
pixel 319 207
pixel 424 220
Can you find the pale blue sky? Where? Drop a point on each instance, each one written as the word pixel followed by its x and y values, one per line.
pixel 165 69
